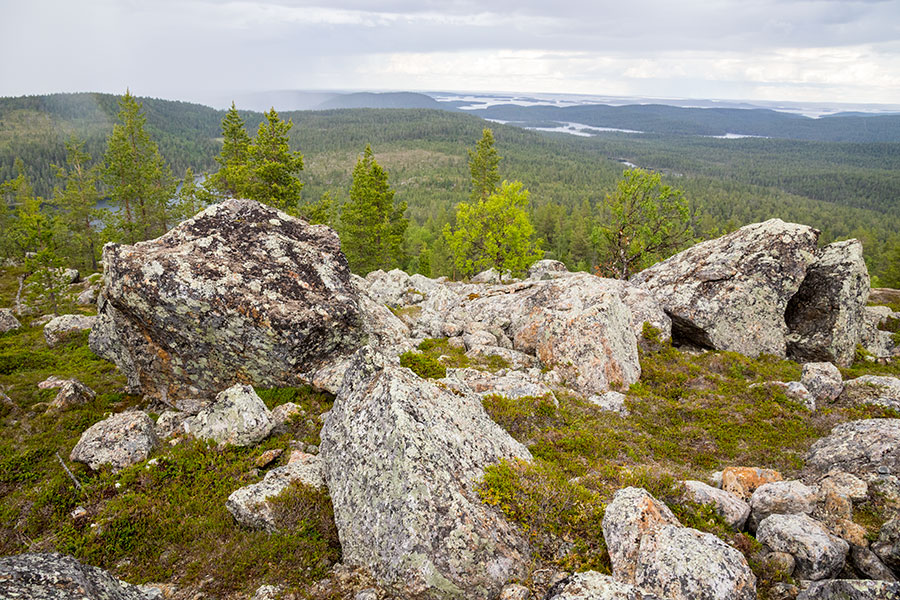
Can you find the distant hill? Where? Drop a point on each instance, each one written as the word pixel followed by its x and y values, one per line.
pixel 382 100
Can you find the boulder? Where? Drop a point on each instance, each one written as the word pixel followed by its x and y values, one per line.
pixel 63 326
pixel 238 417
pixel 87 297
pixel 794 390
pixel 169 423
pixel 823 380
pixel 728 506
pixel 817 553
pixel 632 514
pixel 59 577
pixel 858 447
pixel 402 458
pixel 872 389
pixel 491 275
pixel 385 331
pixel 851 589
pixel 743 481
pixel 72 393
pixel 547 269
pixel 119 441
pixel 887 546
pixel 249 505
pixel 511 384
pixel 731 293
pixel 679 563
pixel 827 314
pixel 513 591
pixel 610 401
pixel 844 484
pixel 591 585
pixel 239 293
pixel 781 497
pixel 877 342
pixel 8 320
pixel 868 563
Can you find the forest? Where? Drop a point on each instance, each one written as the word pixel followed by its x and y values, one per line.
pixel 844 188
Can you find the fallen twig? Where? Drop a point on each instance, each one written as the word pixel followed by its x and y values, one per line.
pixel 68 472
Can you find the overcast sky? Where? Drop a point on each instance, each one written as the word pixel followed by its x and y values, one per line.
pixel 813 50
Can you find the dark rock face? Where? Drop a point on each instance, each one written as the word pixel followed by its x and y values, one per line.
pixel 827 314
pixel 731 293
pixel 401 460
pixel 241 293
pixel 58 577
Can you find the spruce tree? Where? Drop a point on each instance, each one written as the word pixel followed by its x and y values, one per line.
pixel 483 166
pixel 372 224
pixel 231 178
pixel 273 168
pixel 77 200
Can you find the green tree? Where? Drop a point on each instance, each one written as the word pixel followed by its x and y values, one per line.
pixel 14 192
pixel 231 178
pixel 272 169
pixel 140 182
pixel 77 201
pixel 483 165
pixel 495 232
pixel 643 222
pixel 372 224
pixel 190 197
pixel 320 212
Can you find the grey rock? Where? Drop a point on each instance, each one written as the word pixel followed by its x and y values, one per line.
pixel 283 413
pixel 731 293
pixel 610 401
pixel 516 359
pixel 59 577
pixel 87 297
pixel 872 389
pixel 238 417
pixel 823 380
pixel 781 497
pixel 827 314
pixel 876 341
pixel 169 423
pixel 61 327
pixel 794 390
pixel 119 441
pixel 844 484
pixel 680 563
pixel 487 276
pixel 239 293
pixel 868 563
pixel 632 514
pixel 8 320
pixel 515 591
pixel 268 592
pixel 731 508
pixel 818 554
pixel 858 448
pixel 401 460
pixel 249 505
pixel 779 562
pixel 511 384
pixel 385 331
pixel 887 546
pixel 851 589
pixel 72 393
pixel 547 269
pixel 591 585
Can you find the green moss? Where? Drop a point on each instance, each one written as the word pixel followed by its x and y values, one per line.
pixel 423 365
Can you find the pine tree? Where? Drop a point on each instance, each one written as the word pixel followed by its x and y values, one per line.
pixel 14 193
pixel 372 224
pixel 190 197
pixel 483 165
pixel 231 178
pixel 272 174
pixel 77 202
pixel 140 181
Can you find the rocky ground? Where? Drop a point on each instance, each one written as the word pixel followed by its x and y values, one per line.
pixel 240 417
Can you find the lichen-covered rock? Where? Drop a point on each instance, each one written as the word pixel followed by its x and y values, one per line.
pixel 743 481
pixel 401 460
pixel 817 553
pixel 87 297
pixel 781 497
pixel 872 389
pixel 731 508
pixel 591 585
pixel 887 546
pixel 632 514
pixel 72 393
pixel 844 484
pixel 851 589
pixel 249 505
pixel 169 423
pixel 731 293
pixel 59 577
pixel 827 314
pixel 514 591
pixel 511 384
pixel 877 342
pixel 8 320
pixel 679 563
pixel 239 293
pixel 610 401
pixel 858 448
pixel 868 563
pixel 63 326
pixel 118 441
pixel 547 269
pixel 823 380
pixel 385 331
pixel 238 417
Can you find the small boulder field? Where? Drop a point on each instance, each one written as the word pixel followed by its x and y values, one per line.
pixel 230 413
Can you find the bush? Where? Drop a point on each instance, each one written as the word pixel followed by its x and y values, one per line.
pixel 423 365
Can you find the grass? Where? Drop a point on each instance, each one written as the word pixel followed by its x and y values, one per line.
pixel 436 355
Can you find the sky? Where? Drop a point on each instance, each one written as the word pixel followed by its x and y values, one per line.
pixel 788 50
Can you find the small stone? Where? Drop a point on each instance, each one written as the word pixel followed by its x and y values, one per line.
pixel 823 380
pixel 51 382
pixel 268 592
pixel 267 457
pixel 119 441
pixel 610 401
pixel 817 553
pixel 366 594
pixel 8 320
pixel 845 484
pixel 72 393
pixel 79 514
pixel 283 413
pixel 515 591
pixel 781 497
pixel 63 326
pixel 169 423
pixel 781 563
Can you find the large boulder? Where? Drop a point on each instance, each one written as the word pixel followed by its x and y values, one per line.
pixel 240 293
pixel 62 327
pixel 402 458
pixel 119 441
pixel 59 577
pixel 858 447
pixel 781 497
pixel 591 585
pixel 238 417
pixel 731 293
pixel 851 589
pixel 8 320
pixel 826 316
pixel 680 563
pixel 817 554
pixel 728 506
pixel 250 505
pixel 887 546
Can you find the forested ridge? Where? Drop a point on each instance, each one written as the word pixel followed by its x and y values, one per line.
pixel 846 189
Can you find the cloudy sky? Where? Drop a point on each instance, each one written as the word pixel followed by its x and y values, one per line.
pixel 811 50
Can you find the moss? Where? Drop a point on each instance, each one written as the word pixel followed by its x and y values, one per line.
pixel 423 365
